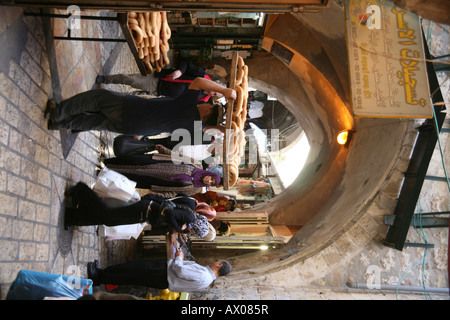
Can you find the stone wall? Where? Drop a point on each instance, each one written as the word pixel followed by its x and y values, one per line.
pixel 350 257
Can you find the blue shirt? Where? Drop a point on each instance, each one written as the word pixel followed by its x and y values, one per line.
pixel 188 276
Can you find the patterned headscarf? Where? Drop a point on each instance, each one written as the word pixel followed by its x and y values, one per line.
pixel 200 226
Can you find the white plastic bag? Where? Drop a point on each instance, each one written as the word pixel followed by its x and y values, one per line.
pixel 122 232
pixel 111 184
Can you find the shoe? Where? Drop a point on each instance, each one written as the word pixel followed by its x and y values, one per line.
pixel 51 105
pixel 100 79
pixel 92 272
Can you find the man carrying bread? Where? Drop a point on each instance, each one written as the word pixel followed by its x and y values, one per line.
pixel 101 109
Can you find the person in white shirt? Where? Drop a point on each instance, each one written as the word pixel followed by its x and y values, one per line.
pixel 188 276
pixel 175 274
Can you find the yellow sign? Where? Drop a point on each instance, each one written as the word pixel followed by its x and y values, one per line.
pixel 387 70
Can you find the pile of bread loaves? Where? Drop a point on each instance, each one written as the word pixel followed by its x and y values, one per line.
pixel 237 138
pixel 151 33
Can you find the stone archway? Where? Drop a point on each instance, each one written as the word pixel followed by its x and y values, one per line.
pixel 337 183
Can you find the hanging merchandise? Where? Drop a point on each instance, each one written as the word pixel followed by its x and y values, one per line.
pixel 151 33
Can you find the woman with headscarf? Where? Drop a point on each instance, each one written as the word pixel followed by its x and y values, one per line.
pixel 160 174
pixel 200 227
pixel 87 208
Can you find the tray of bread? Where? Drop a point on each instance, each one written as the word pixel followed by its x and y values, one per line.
pixel 147 34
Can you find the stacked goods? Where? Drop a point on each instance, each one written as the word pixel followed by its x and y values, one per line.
pixel 239 115
pixel 151 34
pixel 253 187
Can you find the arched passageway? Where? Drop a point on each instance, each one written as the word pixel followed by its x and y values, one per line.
pixel 337 183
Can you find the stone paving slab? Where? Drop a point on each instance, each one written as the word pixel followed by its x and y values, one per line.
pixel 34 170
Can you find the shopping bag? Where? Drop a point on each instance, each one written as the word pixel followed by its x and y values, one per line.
pixel 122 232
pixel 111 184
pixel 34 285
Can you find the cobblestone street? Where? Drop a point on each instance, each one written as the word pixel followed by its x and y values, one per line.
pixel 37 164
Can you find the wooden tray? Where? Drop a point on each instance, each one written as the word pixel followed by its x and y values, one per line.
pixel 226 140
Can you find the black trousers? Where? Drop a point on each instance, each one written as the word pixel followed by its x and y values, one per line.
pixel 150 273
pixel 91 210
pixel 97 109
